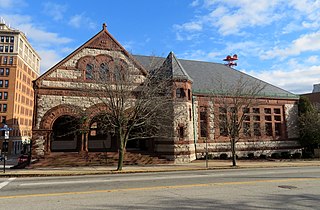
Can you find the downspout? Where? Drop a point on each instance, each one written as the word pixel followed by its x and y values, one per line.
pixel 194 125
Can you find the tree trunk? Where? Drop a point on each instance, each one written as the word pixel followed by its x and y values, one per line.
pixel 122 149
pixel 233 150
pixel 121 156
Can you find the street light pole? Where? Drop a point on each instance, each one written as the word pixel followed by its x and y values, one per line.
pixel 5 146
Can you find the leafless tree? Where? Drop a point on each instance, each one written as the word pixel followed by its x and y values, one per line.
pixel 232 104
pixel 133 104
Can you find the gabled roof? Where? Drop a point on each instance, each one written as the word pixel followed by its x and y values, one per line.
pixel 176 70
pixel 102 40
pixel 205 75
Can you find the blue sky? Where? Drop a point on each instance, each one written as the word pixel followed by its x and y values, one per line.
pixel 276 40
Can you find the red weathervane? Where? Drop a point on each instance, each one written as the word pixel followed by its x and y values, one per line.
pixel 231 60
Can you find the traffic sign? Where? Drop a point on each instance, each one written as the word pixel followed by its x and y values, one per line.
pixel 6 129
pixel 6 135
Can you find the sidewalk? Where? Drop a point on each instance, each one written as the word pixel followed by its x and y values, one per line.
pixel 196 165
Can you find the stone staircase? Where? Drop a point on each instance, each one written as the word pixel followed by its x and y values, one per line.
pixel 75 159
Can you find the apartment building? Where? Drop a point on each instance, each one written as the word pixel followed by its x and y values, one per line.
pixel 19 66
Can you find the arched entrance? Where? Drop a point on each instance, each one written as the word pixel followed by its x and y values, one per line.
pixel 100 138
pixel 66 134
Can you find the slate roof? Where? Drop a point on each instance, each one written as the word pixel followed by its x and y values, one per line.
pixel 205 74
pixel 175 68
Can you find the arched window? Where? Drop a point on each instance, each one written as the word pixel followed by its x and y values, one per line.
pixel 118 75
pixel 104 68
pixel 89 71
pixel 104 72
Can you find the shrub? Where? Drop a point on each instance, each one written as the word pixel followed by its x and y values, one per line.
pixel 210 156
pixel 250 155
pixel 285 155
pixel 297 155
pixel 223 156
pixel 262 156
pixel 275 155
pixel 307 154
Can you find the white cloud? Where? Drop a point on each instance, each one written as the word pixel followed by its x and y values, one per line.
pixel 80 20
pixel 54 10
pixel 291 27
pixel 46 43
pixel 200 55
pixel 6 4
pixel 195 3
pixel 191 26
pixel 42 37
pixel 48 59
pixel 313 59
pixel 297 80
pixel 305 43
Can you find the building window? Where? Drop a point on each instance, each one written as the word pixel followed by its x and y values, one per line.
pixel 4 119
pixel 6 48
pixel 256 110
pixel 180 93
pixel 181 132
pixel 2 38
pixel 0 95
pixel 267 110
pixel 104 72
pixel 1 83
pixel 268 118
pixel 256 129
pixel 5 60
pixel 7 39
pixel 278 129
pixel 5 95
pixel 11 39
pixel 89 71
pixel 203 122
pixel 7 71
pixel 246 129
pixel 1 71
pixel 223 121
pixel 11 60
pixel 11 49
pixel 104 68
pixel 268 129
pixel 277 118
pixel 6 83
pixel 1 48
pixel 4 108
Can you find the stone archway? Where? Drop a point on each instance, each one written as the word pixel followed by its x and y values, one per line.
pixel 100 136
pixel 45 133
pixel 66 134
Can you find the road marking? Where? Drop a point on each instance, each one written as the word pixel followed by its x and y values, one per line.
pixel 5 183
pixel 158 187
pixel 120 179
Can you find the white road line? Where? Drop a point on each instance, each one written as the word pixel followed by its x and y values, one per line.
pixel 3 184
pixel 114 180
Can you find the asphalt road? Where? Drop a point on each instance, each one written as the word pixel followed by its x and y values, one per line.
pixel 275 188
